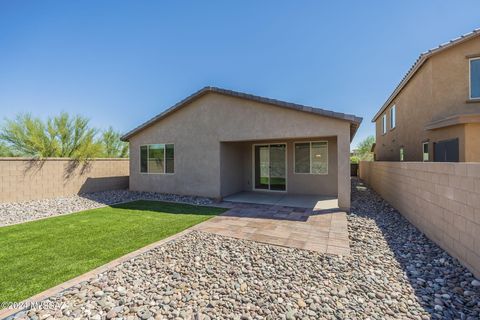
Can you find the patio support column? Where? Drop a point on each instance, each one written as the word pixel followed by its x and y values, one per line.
pixel 343 156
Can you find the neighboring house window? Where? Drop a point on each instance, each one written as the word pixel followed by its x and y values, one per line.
pixel 384 124
pixel 475 78
pixel 393 111
pixel 425 151
pixel 402 155
pixel 157 158
pixel 311 157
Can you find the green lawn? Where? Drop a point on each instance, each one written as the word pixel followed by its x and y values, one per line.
pixel 37 255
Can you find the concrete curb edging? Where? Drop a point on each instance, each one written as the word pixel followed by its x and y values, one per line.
pixel 7 312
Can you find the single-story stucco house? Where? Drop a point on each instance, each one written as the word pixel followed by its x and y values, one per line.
pixel 218 142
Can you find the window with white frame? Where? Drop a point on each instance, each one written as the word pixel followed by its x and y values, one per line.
pixel 475 78
pixel 384 124
pixel 425 151
pixel 393 117
pixel 311 157
pixel 157 158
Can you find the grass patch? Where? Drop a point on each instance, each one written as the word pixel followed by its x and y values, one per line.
pixel 38 255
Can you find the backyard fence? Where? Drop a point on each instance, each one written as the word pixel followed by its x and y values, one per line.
pixel 440 199
pixel 23 179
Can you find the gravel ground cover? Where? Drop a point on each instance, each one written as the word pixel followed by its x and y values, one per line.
pixel 394 272
pixel 11 213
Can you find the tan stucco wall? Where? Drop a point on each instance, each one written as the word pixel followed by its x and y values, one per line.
pixel 25 179
pixel 472 142
pixel 232 161
pixel 197 130
pixel 441 199
pixel 237 166
pixel 440 88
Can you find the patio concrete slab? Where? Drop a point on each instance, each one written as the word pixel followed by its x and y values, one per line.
pixel 283 199
pixel 314 229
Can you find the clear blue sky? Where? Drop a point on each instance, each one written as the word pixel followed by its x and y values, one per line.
pixel 121 62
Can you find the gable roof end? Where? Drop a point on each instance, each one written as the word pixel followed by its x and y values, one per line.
pixel 419 62
pixel 354 120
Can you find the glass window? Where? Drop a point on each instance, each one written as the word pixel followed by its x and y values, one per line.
pixel 302 157
pixel 402 155
pixel 393 111
pixel 475 78
pixel 425 151
pixel 157 158
pixel 311 157
pixel 143 159
pixel 384 124
pixel 319 157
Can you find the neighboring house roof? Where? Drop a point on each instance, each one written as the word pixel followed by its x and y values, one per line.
pixel 419 62
pixel 354 120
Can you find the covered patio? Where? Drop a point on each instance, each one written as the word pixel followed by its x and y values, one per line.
pixel 296 172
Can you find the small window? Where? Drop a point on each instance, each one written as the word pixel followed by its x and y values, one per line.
pixel 425 151
pixel 157 158
pixel 402 154
pixel 393 111
pixel 384 124
pixel 311 157
pixel 475 78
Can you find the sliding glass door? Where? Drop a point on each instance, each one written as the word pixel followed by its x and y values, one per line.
pixel 270 167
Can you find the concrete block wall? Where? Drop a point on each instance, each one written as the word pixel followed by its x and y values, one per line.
pixel 440 199
pixel 24 179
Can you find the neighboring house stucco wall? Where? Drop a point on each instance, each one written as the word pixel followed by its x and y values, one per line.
pixel 439 89
pixel 472 142
pixel 198 129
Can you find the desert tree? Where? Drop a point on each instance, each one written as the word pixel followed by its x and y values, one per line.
pixel 364 149
pixel 60 136
pixel 112 146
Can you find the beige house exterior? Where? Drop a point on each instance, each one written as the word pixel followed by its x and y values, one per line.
pixel 219 142
pixel 434 113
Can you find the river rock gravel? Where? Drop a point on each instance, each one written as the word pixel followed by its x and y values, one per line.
pixel 393 272
pixel 12 213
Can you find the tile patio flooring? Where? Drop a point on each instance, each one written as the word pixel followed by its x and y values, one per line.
pixel 318 230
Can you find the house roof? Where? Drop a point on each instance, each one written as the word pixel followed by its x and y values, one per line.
pixel 419 62
pixel 354 120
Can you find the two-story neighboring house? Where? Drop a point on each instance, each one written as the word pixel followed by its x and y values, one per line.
pixel 434 113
